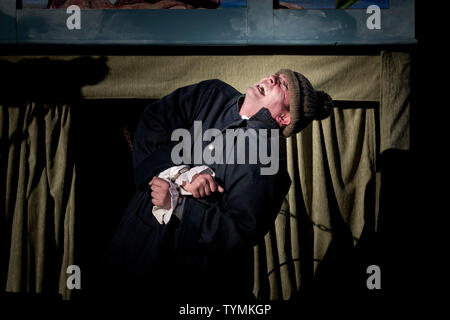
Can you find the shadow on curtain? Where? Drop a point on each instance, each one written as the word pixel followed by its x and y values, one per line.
pixel 349 188
pixel 332 167
pixel 38 218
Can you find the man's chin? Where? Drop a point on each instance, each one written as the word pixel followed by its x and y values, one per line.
pixel 253 92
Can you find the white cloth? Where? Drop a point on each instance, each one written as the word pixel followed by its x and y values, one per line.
pixel 176 191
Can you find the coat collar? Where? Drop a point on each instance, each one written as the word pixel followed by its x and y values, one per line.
pixel 264 116
pixel 261 119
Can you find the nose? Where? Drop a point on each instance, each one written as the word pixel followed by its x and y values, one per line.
pixel 273 80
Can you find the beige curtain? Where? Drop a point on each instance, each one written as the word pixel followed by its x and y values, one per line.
pixel 335 185
pixel 38 207
pixel 332 163
pixel 344 77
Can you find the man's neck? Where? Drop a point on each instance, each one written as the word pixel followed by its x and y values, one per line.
pixel 247 110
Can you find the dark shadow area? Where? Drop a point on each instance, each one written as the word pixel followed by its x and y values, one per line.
pixel 137 50
pixel 389 242
pixel 49 80
pixel 429 166
pixel 342 274
pixel 396 219
pixel 105 182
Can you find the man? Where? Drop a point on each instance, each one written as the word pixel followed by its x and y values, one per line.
pixel 189 232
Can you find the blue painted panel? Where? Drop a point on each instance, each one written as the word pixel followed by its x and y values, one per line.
pixel 257 24
pixel 331 4
pixel 221 26
pixel 7 21
pixel 329 27
pixel 223 3
pixel 260 19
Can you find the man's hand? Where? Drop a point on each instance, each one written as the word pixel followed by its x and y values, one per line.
pixel 160 193
pixel 202 185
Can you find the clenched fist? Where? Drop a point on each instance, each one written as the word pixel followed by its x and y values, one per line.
pixel 202 185
pixel 160 193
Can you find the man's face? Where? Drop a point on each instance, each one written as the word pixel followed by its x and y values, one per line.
pixel 271 92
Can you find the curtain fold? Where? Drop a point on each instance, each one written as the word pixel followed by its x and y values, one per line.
pixel 335 183
pixel 38 214
pixel 332 165
pixel 395 100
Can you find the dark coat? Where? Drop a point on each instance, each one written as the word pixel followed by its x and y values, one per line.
pixel 209 253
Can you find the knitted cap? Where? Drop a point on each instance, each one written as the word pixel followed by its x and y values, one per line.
pixel 305 103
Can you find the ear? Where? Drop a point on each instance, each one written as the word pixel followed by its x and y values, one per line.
pixel 284 120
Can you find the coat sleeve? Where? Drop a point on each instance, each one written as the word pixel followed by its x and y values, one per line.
pixel 239 218
pixel 152 140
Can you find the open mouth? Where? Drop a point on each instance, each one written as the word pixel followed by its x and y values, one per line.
pixel 262 89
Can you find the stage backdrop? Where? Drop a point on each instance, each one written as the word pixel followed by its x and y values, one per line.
pixel 332 163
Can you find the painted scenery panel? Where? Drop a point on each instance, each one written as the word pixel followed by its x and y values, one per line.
pixel 132 4
pixel 329 4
